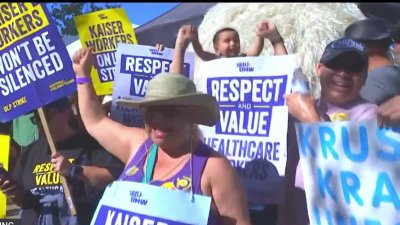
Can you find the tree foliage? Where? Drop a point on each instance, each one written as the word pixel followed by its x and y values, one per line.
pixel 64 13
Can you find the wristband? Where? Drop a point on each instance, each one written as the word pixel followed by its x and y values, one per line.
pixel 83 80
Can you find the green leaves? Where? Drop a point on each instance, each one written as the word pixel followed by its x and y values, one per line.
pixel 64 13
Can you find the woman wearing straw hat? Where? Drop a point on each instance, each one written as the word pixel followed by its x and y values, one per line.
pixel 171 108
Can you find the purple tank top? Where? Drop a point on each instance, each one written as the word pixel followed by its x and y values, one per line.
pixel 181 180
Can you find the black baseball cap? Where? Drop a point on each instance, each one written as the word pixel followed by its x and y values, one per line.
pixel 370 29
pixel 345 45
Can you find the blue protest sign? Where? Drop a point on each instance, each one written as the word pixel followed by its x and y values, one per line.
pixel 252 129
pixel 126 202
pixel 35 67
pixel 136 65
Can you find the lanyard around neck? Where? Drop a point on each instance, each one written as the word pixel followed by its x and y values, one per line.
pixel 150 164
pixel 150 167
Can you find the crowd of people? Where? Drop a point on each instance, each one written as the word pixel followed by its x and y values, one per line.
pixel 359 81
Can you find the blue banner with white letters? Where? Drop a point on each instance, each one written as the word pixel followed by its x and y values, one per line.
pixel 252 129
pixel 254 93
pixel 136 65
pixel 35 68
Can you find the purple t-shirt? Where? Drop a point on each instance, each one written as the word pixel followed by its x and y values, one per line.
pixel 184 179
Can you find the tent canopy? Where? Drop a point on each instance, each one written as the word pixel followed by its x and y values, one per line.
pixel 164 28
pixel 387 11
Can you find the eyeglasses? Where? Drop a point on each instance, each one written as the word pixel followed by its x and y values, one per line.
pixel 166 111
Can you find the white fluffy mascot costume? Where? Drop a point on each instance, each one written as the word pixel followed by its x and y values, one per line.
pixel 306 29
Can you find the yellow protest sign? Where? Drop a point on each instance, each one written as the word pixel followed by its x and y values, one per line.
pixel 103 30
pixel 4 153
pixel 35 67
pixel 20 20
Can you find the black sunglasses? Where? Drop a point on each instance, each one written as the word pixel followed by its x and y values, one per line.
pixel 346 65
pixel 166 111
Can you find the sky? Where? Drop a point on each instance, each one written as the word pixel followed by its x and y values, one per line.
pixel 141 13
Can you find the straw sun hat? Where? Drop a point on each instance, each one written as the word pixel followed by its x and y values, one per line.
pixel 175 89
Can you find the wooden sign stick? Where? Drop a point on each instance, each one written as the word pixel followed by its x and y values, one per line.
pixel 67 192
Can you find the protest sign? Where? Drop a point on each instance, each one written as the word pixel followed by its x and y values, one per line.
pixel 35 67
pixel 4 154
pixel 103 30
pixel 253 119
pixel 126 202
pixel 351 172
pixel 136 66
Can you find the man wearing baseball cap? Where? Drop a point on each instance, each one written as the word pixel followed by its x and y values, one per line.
pixel 342 71
pixel 383 80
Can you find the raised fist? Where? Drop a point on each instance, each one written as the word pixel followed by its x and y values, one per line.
pixel 267 29
pixel 83 62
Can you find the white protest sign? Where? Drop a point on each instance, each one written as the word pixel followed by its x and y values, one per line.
pixel 351 173
pixel 126 202
pixel 253 119
pixel 136 65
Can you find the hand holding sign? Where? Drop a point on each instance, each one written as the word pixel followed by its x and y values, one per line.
pixel 61 164
pixel 302 107
pixel 160 47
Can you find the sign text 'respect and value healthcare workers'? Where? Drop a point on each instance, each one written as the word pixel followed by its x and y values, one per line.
pixel 246 103
pixel 250 93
